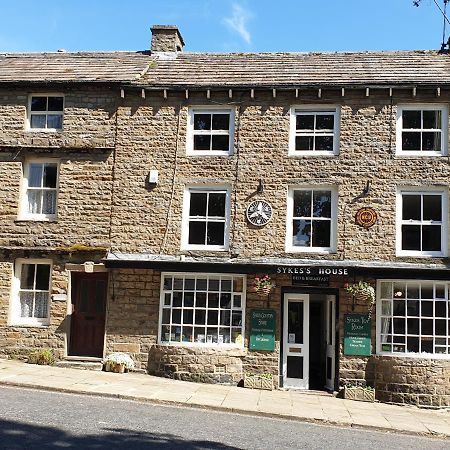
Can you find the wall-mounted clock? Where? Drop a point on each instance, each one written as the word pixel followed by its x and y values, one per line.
pixel 259 212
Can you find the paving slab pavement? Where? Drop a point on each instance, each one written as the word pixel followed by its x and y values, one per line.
pixel 283 404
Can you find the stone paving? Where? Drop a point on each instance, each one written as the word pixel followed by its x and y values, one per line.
pixel 284 404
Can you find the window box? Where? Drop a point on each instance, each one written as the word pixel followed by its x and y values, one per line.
pixel 311 219
pixel 210 132
pixel 39 190
pixel 314 130
pixel 31 287
pixel 202 310
pixel 422 130
pixel 422 222
pixel 206 218
pixel 413 318
pixel 45 112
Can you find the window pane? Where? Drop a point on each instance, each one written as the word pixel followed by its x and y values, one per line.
pixel 411 207
pixel 213 300
pixel 41 305
pixel 49 202
pixel 321 233
pixel 432 119
pixel 225 318
pixel 413 326
pixel 426 308
pixel 55 103
pixel 413 344
pixel 221 142
pixel 200 299
pixel 322 204
pixel 213 284
pixel 177 299
pixel 413 308
pixel 411 119
pixel 440 309
pixel 413 290
pixel 324 143
pixel 198 204
pixel 27 276
pixel 426 291
pixel 213 317
pixel 202 121
pixel 38 121
pixel 301 233
pixel 302 203
pixel 38 103
pixel 202 284
pixel 440 328
pixel 426 327
pixel 225 301
pixel 34 202
pixel 411 237
pixel 386 290
pixel 42 277
pixel 35 175
pixel 411 140
pixel 431 238
pixel 166 315
pixel 216 204
pixel 54 121
pixel 189 299
pixel 197 233
pixel 189 284
pixel 188 316
pixel 221 122
pixel 325 122
pixel 49 175
pixel 202 142
pixel 305 122
pixel 225 286
pixel 26 304
pixel 176 316
pixel 431 141
pixel 216 233
pixel 399 326
pixel 432 207
pixel 167 283
pixel 399 307
pixel 304 143
pixel 200 317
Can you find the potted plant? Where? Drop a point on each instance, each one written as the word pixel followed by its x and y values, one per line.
pixel 363 291
pixel 118 362
pixel 258 381
pixel 263 285
pixel 43 356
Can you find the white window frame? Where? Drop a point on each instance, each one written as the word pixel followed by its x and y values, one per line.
pixel 379 315
pixel 444 129
pixel 23 207
pixel 185 221
pixel 46 113
pixel 203 275
pixel 399 220
pixel 290 217
pixel 15 318
pixel 314 110
pixel 191 132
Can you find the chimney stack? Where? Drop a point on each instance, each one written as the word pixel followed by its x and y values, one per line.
pixel 166 38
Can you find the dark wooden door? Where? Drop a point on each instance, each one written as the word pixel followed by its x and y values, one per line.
pixel 87 328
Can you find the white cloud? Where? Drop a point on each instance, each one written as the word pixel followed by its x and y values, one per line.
pixel 238 22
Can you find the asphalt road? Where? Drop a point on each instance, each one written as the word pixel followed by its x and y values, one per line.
pixel 31 419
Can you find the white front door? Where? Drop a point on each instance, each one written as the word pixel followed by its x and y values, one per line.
pixel 296 341
pixel 330 328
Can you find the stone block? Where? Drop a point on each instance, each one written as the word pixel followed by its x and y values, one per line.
pixel 126 347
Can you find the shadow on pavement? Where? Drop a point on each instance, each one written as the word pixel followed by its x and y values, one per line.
pixel 17 435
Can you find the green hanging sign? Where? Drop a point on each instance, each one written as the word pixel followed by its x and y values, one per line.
pixel 357 334
pixel 262 329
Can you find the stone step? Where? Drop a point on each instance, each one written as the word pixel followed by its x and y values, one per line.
pixel 84 365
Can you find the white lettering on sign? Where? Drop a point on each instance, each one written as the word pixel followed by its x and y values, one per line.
pixel 308 270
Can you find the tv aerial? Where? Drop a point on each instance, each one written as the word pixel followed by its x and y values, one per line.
pixel 445 44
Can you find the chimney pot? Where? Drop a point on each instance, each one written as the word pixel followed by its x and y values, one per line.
pixel 166 38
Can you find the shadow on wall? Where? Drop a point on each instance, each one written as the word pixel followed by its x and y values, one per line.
pixel 16 435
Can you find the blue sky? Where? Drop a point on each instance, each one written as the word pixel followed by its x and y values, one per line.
pixel 221 25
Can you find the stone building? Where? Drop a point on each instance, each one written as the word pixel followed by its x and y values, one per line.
pixel 143 195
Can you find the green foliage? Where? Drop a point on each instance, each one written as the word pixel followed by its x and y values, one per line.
pixel 43 356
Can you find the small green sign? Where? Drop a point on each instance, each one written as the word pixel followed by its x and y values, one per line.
pixel 262 331
pixel 357 334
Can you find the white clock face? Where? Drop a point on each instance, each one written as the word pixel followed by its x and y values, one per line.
pixel 259 213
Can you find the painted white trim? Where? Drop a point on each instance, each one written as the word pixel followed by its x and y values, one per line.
pixel 438 190
pixel 422 107
pixel 14 311
pixel 204 275
pixel 61 113
pixel 289 219
pixel 379 314
pixel 334 109
pixel 190 130
pixel 185 219
pixel 23 213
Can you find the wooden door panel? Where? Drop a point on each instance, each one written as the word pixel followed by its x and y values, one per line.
pixel 89 293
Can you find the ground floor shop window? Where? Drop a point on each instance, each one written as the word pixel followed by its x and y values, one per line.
pixel 202 309
pixel 413 317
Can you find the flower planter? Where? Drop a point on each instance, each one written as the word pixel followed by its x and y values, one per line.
pixel 258 382
pixel 115 367
pixel 359 393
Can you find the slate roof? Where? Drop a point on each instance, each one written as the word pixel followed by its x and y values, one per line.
pixel 72 67
pixel 215 70
pixel 301 69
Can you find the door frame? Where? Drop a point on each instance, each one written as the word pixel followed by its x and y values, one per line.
pixel 310 290
pixel 74 269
